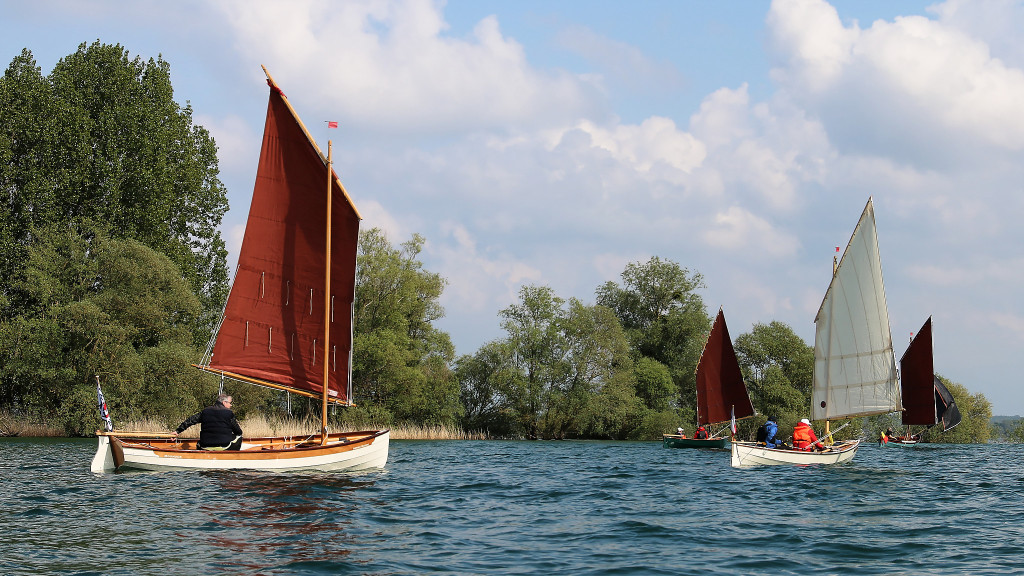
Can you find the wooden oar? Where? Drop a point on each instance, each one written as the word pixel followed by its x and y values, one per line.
pixel 823 438
pixel 127 434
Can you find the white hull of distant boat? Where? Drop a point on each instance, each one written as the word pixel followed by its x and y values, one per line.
pixel 752 454
pixel 343 452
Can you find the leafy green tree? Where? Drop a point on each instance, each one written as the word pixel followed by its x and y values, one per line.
pixel 1016 434
pixel 100 307
pixel 597 356
pixel 486 381
pixel 654 385
pixel 664 318
pixel 401 362
pixel 537 348
pixel 778 368
pixel 565 370
pixel 100 143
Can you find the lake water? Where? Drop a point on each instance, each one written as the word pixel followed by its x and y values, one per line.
pixel 497 507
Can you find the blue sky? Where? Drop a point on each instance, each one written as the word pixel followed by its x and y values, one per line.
pixel 552 143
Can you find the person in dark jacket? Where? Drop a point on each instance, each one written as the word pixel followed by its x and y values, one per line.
pixel 220 430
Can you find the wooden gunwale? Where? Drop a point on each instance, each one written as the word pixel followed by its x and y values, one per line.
pixel 267 448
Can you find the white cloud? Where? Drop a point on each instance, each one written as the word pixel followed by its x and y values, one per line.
pixel 535 180
pixel 912 88
pixel 390 65
pixel 238 147
pixel 737 229
pixel 996 22
pixel 654 141
pixel 811 43
pixel 377 216
pixel 478 283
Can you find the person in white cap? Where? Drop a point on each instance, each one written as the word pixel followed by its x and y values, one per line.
pixel 804 437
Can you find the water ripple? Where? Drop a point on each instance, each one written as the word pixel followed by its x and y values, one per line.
pixel 594 508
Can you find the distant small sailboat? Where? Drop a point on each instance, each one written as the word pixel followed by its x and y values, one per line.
pixel 854 363
pixel 926 400
pixel 721 394
pixel 286 326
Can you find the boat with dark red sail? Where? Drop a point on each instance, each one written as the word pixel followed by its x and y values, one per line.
pixel 926 400
pixel 721 393
pixel 288 320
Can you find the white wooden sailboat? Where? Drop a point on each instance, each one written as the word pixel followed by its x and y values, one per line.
pixel 287 323
pixel 854 364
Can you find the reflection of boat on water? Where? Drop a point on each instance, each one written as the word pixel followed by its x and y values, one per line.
pixel 926 400
pixel 287 324
pixel 854 365
pixel 721 394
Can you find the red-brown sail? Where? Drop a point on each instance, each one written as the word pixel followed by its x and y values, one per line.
pixel 917 380
pixel 721 392
pixel 273 327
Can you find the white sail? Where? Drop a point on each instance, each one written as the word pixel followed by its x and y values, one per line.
pixel 854 364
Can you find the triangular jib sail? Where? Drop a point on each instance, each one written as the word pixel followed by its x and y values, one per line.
pixel 721 393
pixel 854 365
pixel 272 332
pixel 945 406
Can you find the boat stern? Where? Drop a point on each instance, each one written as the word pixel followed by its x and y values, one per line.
pixel 103 461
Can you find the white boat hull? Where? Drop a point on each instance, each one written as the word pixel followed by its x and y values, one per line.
pixel 752 454
pixel 343 452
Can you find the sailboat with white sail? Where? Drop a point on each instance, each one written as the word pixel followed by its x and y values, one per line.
pixel 287 324
pixel 854 364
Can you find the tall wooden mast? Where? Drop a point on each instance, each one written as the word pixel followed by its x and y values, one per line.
pixel 327 301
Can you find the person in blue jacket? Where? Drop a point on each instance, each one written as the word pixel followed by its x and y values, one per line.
pixel 767 432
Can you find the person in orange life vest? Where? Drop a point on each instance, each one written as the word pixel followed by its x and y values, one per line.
pixel 679 431
pixel 701 433
pixel 803 436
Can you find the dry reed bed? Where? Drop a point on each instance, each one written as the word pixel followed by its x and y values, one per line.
pixel 256 426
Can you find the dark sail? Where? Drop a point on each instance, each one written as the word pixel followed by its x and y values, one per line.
pixel 917 380
pixel 720 387
pixel 945 406
pixel 273 327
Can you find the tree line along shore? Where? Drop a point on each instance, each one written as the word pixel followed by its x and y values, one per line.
pixel 112 265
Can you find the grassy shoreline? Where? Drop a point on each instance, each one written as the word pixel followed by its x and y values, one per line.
pixel 255 426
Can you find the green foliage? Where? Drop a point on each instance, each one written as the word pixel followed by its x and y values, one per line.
pixel 654 385
pixel 663 317
pixel 100 144
pixel 778 368
pixel 565 370
pixel 401 363
pixel 99 306
pixel 486 380
pixel 976 410
pixel 1016 434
